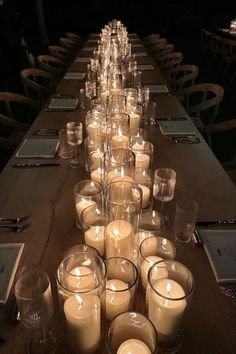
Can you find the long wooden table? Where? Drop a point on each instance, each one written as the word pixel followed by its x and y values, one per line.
pixel 47 194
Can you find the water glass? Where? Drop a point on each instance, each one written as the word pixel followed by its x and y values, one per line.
pixel 185 219
pixel 66 150
pixel 74 137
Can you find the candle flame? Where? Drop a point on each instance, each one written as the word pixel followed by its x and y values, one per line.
pixel 122 172
pixel 168 288
pixel 116 232
pixel 80 301
pixel 120 133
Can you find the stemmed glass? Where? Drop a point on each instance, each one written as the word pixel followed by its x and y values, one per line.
pixel 35 305
pixel 164 188
pixel 74 137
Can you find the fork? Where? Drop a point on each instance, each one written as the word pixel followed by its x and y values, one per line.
pixel 17 227
pixel 15 220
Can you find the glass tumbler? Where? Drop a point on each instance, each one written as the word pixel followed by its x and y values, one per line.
pixel 131 332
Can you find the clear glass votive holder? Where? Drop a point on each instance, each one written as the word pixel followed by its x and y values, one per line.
pixel 122 207
pixel 94 126
pixel 80 247
pixel 144 179
pixel 80 281
pixel 169 292
pixel 65 150
pixel 121 286
pixel 116 104
pixel 118 131
pixel 94 228
pixel 152 250
pixel 94 151
pixel 152 221
pixel 87 193
pixel 135 115
pixel 118 163
pixel 143 154
pixel 131 332
pixel 150 113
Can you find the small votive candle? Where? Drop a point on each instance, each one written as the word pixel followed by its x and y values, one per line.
pixel 117 298
pixel 95 237
pixel 133 346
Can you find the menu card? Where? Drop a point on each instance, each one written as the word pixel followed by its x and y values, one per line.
pixel 64 104
pixel 82 60
pixel 10 254
pixel 220 247
pixel 158 88
pixel 45 148
pixel 181 127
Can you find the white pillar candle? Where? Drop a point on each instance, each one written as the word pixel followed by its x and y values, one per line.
pixel 83 320
pixel 120 142
pixel 133 346
pixel 84 203
pixel 81 278
pixel 95 237
pixel 137 147
pixel 145 195
pixel 115 91
pixel 117 298
pixel 121 190
pixel 142 160
pixel 166 314
pixel 97 175
pixel 134 123
pixel 119 237
pixel 94 131
pixel 96 156
pixel 146 264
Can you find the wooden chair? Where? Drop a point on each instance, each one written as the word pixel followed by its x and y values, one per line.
pixel 202 103
pixel 158 46
pixel 61 53
pixel 169 61
pixel 51 64
pixel 69 44
pixel 206 44
pixel 75 38
pixel 151 39
pixel 166 49
pixel 17 110
pixel 182 76
pixel 228 56
pixel 38 84
pixel 224 127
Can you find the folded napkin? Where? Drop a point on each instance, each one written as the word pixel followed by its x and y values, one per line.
pixel 45 148
pixel 146 67
pixel 82 60
pixel 141 54
pixel 158 88
pixel 74 76
pixel 63 104
pixel 177 128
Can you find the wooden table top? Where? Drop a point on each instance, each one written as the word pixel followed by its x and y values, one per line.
pixel 47 195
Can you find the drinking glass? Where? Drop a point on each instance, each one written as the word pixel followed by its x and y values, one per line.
pixel 35 305
pixel 74 138
pixel 164 188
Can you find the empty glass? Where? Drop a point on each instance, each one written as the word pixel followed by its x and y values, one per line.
pixel 66 150
pixel 74 138
pixel 185 218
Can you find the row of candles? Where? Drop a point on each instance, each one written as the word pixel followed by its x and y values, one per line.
pixel 109 208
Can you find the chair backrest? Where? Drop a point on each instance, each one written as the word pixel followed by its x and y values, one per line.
pixel 166 49
pixel 151 39
pixel 69 44
pixel 75 37
pixel 37 83
pixel 53 65
pixel 182 76
pixel 158 46
pixel 201 98
pixel 168 61
pixel 16 110
pixel 60 52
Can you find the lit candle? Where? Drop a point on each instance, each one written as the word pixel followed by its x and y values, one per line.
pixel 145 195
pixel 94 131
pixel 97 175
pixel 166 314
pixel 81 278
pixel 119 239
pixel 142 160
pixel 122 189
pixel 95 237
pixel 134 123
pixel 146 264
pixel 120 142
pixel 117 298
pixel 84 203
pixel 137 147
pixel 96 156
pixel 83 320
pixel 133 346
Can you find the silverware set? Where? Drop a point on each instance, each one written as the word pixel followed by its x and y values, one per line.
pixel 46 132
pixel 35 164
pixel 15 224
pixel 184 139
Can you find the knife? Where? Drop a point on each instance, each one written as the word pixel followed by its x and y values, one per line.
pixel 209 223
pixel 35 164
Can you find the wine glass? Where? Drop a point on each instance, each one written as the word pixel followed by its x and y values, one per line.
pixel 74 137
pixel 164 188
pixel 35 305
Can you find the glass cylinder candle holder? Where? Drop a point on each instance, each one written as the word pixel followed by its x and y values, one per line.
pixel 118 163
pixel 80 281
pixel 131 332
pixel 116 104
pixel 94 125
pixel 144 179
pixel 170 288
pixel 121 286
pixel 152 221
pixel 122 205
pixel 135 115
pixel 118 131
pixel 152 250
pixel 87 193
pixel 94 228
pixel 143 154
pixel 94 151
